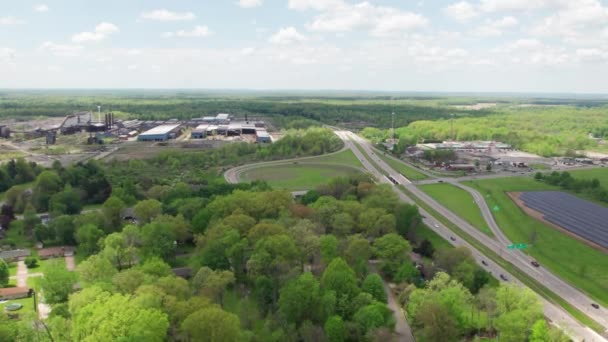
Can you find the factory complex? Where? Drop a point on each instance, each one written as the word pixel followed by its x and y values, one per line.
pixel 222 125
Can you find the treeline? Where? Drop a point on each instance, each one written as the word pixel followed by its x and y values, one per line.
pixel 18 171
pixel 589 187
pixel 445 310
pixel 290 114
pixel 132 178
pixel 546 131
pixel 59 190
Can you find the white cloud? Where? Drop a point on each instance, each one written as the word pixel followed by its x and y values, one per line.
pixel 61 49
pixel 7 54
pixel 318 5
pixel 461 11
pixel 378 20
pixel 166 15
pixel 287 35
pixel 197 31
pixel 495 27
pixel 578 22
pixel 592 55
pixel 103 59
pixel 513 5
pixel 101 32
pixel 41 8
pixel 7 21
pixel 250 3
pixel 247 51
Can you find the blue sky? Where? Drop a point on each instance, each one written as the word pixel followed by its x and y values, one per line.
pixel 476 45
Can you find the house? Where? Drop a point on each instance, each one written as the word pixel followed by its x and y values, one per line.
pixel 55 252
pixel 14 254
pixel 14 292
pixel 183 272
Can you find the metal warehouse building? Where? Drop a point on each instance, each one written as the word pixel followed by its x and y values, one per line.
pixel 200 132
pixel 159 133
pixel 263 137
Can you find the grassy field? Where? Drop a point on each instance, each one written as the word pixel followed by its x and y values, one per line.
pixel 12 269
pixel 600 173
pixel 523 277
pixel 401 167
pixel 298 176
pixel 572 260
pixel 28 305
pixel 438 242
pixel 458 201
pixel 346 157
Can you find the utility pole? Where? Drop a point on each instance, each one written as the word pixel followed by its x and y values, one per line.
pixel 452 126
pixel 393 125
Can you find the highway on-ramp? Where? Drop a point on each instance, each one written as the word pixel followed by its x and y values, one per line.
pixel 572 295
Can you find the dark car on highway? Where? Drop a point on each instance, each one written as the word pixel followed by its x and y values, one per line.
pixel 503 277
pixel 595 306
pixel 535 263
pixel 484 262
pixel 452 238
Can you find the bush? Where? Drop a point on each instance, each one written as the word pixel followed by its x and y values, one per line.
pixel 31 262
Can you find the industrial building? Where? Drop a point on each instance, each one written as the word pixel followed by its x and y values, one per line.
pixel 200 132
pixel 263 136
pixel 160 133
pixel 467 145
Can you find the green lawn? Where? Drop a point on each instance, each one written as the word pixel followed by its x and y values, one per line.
pixel 300 176
pixel 526 279
pixel 346 157
pixel 600 173
pixel 401 167
pixel 458 201
pixel 438 242
pixel 28 305
pixel 580 265
pixel 12 269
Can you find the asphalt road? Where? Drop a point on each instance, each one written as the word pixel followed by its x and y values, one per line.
pixel 557 315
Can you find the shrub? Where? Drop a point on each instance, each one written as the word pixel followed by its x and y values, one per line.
pixel 31 262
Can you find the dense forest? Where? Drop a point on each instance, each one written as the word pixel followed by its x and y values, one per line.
pixel 546 131
pixel 268 268
pixel 359 112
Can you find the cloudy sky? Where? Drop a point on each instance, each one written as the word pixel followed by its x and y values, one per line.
pixel 406 45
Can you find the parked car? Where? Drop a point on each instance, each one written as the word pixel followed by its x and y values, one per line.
pixel 535 263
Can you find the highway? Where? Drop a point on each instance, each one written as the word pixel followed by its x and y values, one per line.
pixel 556 314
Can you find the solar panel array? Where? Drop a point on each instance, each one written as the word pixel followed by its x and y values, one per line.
pixel 583 218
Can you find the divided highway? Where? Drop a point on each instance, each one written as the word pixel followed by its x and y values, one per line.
pixel 557 315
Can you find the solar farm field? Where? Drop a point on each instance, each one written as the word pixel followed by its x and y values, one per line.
pixel 566 256
pixel 582 218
